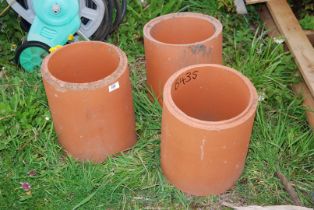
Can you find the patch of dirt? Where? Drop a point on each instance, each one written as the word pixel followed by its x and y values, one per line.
pixel 228 197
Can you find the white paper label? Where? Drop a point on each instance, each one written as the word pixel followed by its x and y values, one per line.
pixel 114 87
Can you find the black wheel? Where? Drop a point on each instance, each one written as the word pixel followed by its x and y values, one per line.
pixel 115 11
pixel 31 54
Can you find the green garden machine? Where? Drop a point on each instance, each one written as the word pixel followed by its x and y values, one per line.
pixel 53 23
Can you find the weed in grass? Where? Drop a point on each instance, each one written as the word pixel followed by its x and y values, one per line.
pixel 307 22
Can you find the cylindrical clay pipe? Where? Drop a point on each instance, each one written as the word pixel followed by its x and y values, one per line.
pixel 178 40
pixel 89 96
pixel 208 114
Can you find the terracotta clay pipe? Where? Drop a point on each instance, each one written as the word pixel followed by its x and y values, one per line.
pixel 178 40
pixel 208 114
pixel 89 95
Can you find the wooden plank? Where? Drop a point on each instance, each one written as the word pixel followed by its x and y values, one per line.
pixel 255 1
pixel 300 89
pixel 310 35
pixel 269 23
pixel 308 102
pixel 271 27
pixel 297 42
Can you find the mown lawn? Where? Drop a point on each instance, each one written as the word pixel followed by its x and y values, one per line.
pixel 281 141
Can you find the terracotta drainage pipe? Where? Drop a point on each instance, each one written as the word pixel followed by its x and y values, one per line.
pixel 178 40
pixel 208 114
pixel 89 95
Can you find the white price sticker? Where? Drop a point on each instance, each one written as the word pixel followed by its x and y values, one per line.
pixel 114 87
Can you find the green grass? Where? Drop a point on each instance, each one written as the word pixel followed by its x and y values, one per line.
pixel 281 139
pixel 307 22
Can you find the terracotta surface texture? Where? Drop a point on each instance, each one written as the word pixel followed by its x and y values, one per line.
pixel 207 120
pixel 178 40
pixel 89 95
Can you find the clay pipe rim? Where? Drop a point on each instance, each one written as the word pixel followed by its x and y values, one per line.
pixel 108 80
pixel 152 23
pixel 210 125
